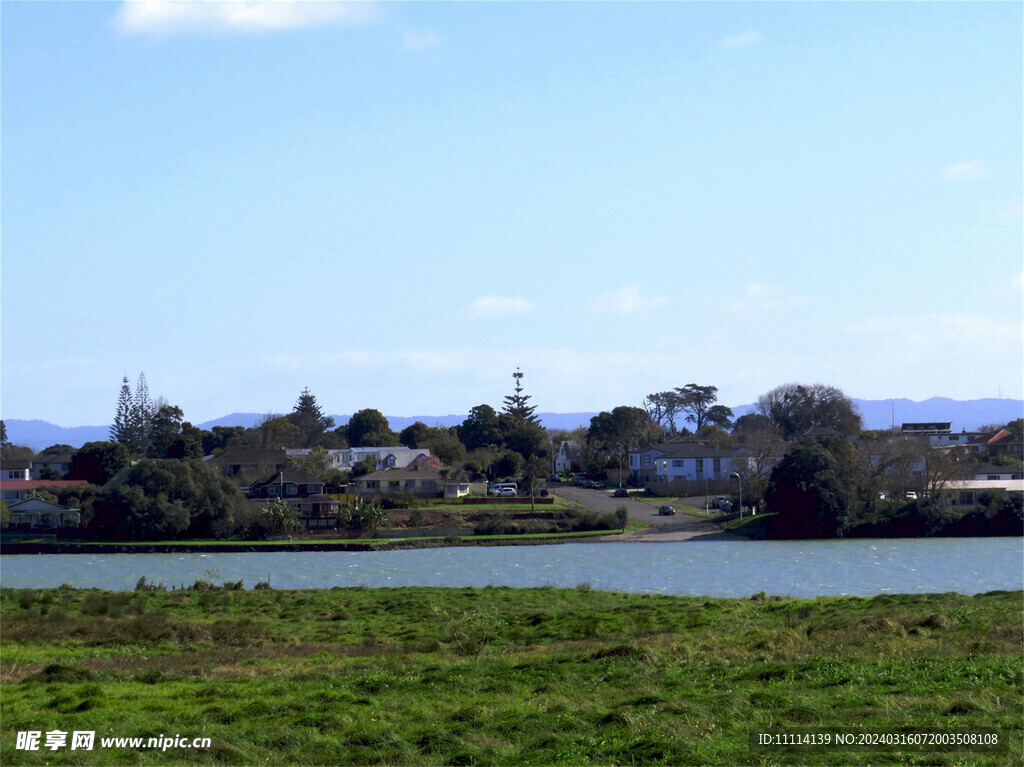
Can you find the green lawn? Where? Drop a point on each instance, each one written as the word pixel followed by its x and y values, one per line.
pixel 420 676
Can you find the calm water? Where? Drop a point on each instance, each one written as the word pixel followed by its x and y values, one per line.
pixel 710 568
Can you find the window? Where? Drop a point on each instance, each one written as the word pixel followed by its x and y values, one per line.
pixel 718 465
pixel 700 465
pixel 646 460
pixel 677 463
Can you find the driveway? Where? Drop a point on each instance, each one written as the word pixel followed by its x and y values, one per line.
pixel 681 527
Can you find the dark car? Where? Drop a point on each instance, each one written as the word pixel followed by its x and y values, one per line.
pixel 666 510
pixel 620 492
pixel 554 478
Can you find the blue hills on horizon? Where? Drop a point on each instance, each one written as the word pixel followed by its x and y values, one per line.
pixel 878 414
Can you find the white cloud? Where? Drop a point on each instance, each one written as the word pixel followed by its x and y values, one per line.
pixel 500 306
pixel 765 297
pixel 757 290
pixel 738 41
pixel 418 41
pixel 973 170
pixel 942 330
pixel 629 300
pixel 171 17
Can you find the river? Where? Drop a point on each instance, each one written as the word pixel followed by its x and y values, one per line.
pixel 712 568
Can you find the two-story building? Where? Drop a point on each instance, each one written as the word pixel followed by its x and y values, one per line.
pixel 569 453
pixel 303 492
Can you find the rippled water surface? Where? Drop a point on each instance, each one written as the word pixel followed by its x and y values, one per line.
pixel 711 568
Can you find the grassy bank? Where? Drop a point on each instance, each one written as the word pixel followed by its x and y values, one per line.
pixel 424 676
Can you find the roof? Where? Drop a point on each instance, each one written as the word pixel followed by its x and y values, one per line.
pixel 991 437
pixel 990 468
pixel 63 458
pixel 17 463
pixel 35 504
pixel 39 484
pixel 691 450
pixel 293 475
pixel 250 455
pixel 1009 485
pixel 396 475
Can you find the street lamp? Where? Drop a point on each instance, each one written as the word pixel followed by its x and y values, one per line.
pixel 740 478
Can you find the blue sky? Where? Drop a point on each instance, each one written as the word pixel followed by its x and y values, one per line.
pixel 398 204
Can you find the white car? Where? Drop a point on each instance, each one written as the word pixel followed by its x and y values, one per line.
pixel 504 492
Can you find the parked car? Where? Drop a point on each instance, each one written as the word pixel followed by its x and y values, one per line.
pixel 554 478
pixel 578 479
pixel 724 506
pixel 504 492
pixel 911 495
pixel 620 492
pixel 666 511
pixel 589 483
pixel 718 500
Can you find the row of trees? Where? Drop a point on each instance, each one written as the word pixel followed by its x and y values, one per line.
pixel 828 488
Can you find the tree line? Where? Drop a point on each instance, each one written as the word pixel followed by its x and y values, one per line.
pixel 492 444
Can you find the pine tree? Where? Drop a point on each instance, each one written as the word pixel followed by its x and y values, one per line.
pixel 121 431
pixel 516 404
pixel 141 416
pixel 309 417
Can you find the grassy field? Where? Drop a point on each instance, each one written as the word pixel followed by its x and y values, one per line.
pixel 419 676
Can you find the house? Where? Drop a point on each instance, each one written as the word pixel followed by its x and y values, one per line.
pixel 926 429
pixel 303 492
pixel 939 433
pixel 967 492
pixel 692 461
pixel 16 469
pixel 819 432
pixel 997 443
pixel 247 462
pixel 20 489
pixel 37 514
pixel 569 453
pixel 990 472
pixel 60 463
pixel 386 457
pixel 426 484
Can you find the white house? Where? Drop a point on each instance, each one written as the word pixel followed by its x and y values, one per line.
pixel 35 513
pixel 567 453
pixel 989 472
pixel 387 457
pixel 691 461
pixel 16 469
pixel 429 484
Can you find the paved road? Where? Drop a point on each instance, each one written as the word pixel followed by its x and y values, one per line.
pixel 681 527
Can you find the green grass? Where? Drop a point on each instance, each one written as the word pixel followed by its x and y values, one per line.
pixel 420 676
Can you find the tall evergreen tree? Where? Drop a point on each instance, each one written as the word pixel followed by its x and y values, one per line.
pixel 121 431
pixel 516 403
pixel 142 416
pixel 309 417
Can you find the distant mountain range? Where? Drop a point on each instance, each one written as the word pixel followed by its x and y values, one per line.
pixel 878 414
